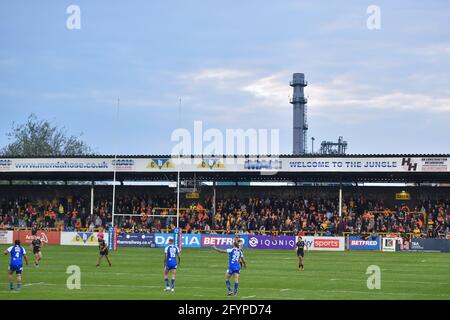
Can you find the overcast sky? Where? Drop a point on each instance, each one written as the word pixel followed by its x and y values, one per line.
pixel 385 91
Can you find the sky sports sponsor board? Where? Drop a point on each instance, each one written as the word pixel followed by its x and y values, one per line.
pixel 6 237
pixel 136 239
pixel 228 164
pixel 81 238
pixel 358 243
pixel 289 243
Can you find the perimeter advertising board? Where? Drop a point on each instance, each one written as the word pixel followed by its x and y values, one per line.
pixel 6 237
pixel 289 243
pixel 271 242
pixel 81 238
pixel 136 239
pixel 222 241
pixel 431 245
pixel 227 164
pixel 391 244
pixel 187 240
pixel 47 237
pixel 358 243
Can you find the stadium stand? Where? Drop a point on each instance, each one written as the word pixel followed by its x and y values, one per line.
pixel 310 210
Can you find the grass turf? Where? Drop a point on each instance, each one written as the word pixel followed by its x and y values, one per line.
pixel 137 274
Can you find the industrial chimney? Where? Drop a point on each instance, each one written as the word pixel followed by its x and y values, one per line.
pixel 299 102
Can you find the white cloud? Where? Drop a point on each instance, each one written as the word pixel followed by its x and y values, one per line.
pixel 272 90
pixel 344 94
pixel 218 74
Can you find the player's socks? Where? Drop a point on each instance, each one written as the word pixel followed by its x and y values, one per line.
pixel 18 286
pixel 236 285
pixel 228 285
pixel 173 283
pixel 11 285
pixel 166 280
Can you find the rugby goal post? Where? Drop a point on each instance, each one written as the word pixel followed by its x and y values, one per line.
pixel 161 213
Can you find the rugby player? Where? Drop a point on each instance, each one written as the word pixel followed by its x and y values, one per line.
pixel 171 261
pixel 300 248
pixel 36 244
pixel 237 238
pixel 17 252
pixel 103 248
pixel 234 266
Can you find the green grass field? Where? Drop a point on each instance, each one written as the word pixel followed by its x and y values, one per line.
pixel 137 274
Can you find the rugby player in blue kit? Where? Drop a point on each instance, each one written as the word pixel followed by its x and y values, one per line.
pixel 17 252
pixel 171 261
pixel 236 257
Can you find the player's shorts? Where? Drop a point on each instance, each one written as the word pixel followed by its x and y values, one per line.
pixel 300 253
pixel 232 271
pixel 36 250
pixel 171 267
pixel 15 268
pixel 104 252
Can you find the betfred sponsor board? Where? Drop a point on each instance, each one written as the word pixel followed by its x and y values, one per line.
pixel 47 237
pixel 358 243
pixel 187 240
pixel 6 237
pixel 271 242
pixel 136 239
pixel 81 238
pixel 222 241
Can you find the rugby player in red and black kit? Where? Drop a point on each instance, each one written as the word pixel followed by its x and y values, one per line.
pixel 37 244
pixel 103 247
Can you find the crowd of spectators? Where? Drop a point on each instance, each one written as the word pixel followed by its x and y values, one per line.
pixel 281 215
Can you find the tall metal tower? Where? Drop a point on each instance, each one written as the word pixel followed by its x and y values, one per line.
pixel 299 102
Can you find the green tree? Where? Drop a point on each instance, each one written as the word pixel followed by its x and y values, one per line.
pixel 42 138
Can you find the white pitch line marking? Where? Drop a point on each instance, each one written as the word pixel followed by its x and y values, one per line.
pixel 32 284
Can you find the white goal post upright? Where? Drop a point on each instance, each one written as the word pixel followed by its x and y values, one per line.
pixel 178 232
pixel 113 211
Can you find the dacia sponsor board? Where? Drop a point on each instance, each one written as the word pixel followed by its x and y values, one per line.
pixel 358 243
pixel 187 240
